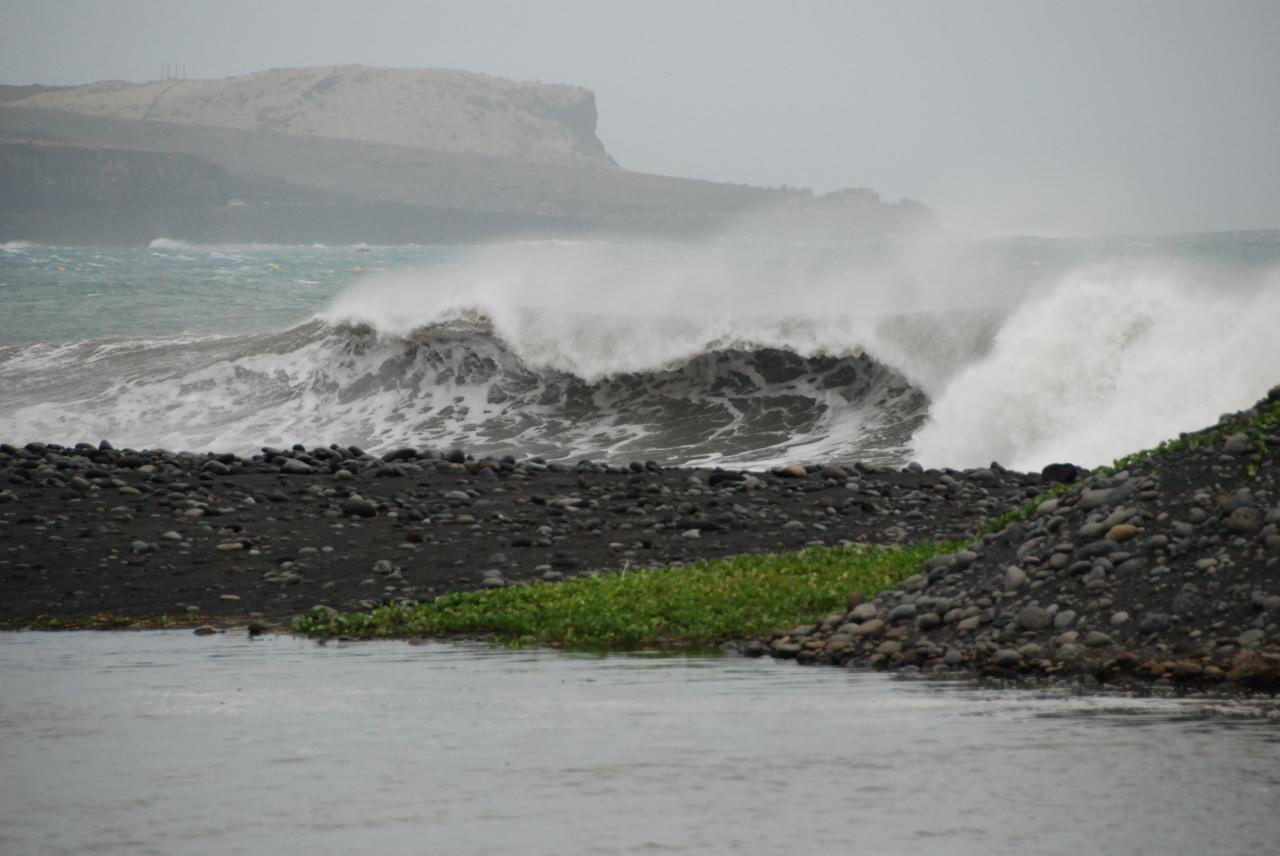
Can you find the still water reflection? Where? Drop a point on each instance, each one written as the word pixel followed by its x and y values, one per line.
pixel 169 743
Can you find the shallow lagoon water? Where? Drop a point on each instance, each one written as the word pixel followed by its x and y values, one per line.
pixel 163 742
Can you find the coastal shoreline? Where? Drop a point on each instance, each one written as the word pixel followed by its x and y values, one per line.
pixel 91 530
pixel 1160 573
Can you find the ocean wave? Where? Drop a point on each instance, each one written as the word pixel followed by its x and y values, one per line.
pixel 181 245
pixel 640 352
pixel 457 383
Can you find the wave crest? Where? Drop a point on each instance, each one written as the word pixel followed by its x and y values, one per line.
pixel 458 383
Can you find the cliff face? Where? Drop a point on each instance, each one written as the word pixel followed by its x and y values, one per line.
pixel 436 109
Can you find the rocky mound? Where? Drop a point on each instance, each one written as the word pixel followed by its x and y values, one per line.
pixel 436 109
pixel 1166 570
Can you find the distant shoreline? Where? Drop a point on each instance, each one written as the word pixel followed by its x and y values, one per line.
pixel 87 179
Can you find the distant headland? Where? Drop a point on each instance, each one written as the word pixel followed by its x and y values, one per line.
pixel 354 153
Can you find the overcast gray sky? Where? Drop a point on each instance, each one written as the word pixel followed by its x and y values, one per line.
pixel 1023 116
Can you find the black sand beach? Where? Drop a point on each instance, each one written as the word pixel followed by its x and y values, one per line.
pixel 1164 572
pixel 94 531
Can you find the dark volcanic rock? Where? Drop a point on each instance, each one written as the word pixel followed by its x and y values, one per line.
pixel 357 506
pixel 149 533
pixel 1166 573
pixel 1063 473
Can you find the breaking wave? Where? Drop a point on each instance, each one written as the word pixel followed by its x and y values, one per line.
pixel 459 383
pixel 1105 363
pixel 625 362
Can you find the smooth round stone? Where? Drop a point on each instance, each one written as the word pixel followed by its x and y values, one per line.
pixel 902 612
pixel 1014 577
pixel 863 612
pixel 1244 520
pixel 1033 618
pixel 928 621
pixel 1006 658
pixel 357 506
pixel 1064 619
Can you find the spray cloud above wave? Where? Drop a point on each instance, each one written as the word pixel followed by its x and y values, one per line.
pixel 597 309
pixel 1093 362
pixel 1107 361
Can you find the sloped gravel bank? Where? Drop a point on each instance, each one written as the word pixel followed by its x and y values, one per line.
pixel 1165 572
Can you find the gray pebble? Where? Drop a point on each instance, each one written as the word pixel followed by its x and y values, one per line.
pixel 1033 618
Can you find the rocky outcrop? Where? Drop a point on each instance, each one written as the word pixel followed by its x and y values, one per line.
pixel 1163 573
pixel 436 109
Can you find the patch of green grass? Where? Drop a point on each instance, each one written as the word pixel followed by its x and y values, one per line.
pixel 699 604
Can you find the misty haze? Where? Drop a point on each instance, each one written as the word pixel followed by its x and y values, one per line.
pixel 917 339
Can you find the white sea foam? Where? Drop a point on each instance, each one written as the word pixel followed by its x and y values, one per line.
pixel 170 244
pixel 1107 362
pixel 174 244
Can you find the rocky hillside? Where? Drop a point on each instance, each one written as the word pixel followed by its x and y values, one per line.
pixel 1164 570
pixel 437 109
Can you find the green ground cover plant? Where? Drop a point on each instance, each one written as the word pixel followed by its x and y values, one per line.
pixel 694 605
pixel 1256 425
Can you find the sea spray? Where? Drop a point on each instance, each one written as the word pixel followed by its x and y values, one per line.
pixel 1107 361
pixel 599 309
